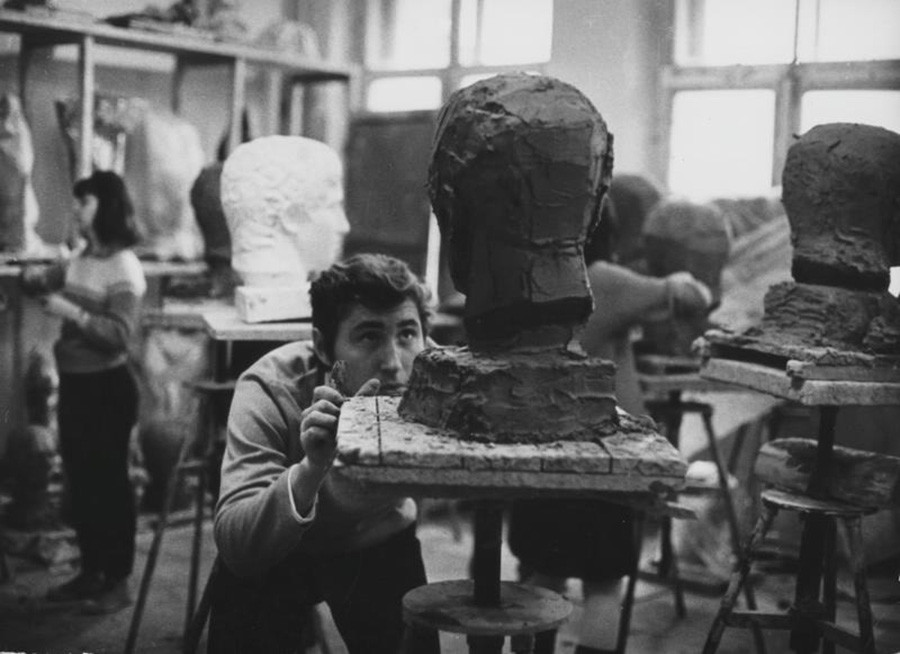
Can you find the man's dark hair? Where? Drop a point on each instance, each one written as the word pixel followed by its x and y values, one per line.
pixel 376 281
pixel 114 221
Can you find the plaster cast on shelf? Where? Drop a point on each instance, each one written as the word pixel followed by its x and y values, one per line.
pixel 19 210
pixel 283 200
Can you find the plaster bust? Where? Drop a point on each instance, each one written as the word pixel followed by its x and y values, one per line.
pixel 519 169
pixel 283 200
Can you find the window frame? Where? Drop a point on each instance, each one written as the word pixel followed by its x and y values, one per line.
pixel 789 81
pixel 450 76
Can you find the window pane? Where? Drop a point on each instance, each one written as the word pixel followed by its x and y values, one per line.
pixel 408 34
pixel 722 143
pixel 880 108
pixel 723 32
pixel 838 30
pixel 501 32
pixel 404 94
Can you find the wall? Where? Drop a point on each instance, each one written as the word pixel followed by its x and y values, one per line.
pixel 612 51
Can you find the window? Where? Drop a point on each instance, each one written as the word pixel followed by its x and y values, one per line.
pixel 747 76
pixel 419 51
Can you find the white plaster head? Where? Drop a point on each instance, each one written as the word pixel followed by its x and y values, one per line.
pixel 283 198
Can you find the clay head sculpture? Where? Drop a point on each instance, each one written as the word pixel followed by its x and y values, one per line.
pixel 519 169
pixel 283 200
pixel 841 190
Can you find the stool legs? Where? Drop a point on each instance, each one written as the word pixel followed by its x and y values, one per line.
pixel 731 514
pixel 829 581
pixel 858 568
pixel 742 569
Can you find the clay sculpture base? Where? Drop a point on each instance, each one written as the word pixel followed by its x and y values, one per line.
pixel 821 326
pixel 376 445
pixel 524 396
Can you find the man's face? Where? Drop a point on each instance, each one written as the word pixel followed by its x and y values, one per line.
pixel 380 345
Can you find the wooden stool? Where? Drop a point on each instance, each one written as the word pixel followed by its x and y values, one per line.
pixel 522 612
pixel 820 615
pixel 195 458
pixel 671 412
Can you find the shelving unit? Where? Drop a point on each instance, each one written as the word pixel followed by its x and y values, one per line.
pixel 286 70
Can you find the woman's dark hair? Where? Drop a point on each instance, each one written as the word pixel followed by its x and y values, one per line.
pixel 114 222
pixel 376 281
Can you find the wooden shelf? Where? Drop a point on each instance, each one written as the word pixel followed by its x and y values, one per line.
pixel 50 31
pixel 46 31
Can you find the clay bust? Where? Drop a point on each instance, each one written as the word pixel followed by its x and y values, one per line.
pixel 841 190
pixel 519 169
pixel 283 200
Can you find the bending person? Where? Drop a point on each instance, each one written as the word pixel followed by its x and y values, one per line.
pixel 594 540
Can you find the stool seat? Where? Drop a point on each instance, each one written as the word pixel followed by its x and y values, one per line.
pixel 450 606
pixel 805 504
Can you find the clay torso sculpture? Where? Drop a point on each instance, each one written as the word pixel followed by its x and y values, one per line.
pixel 841 190
pixel 283 200
pixel 519 170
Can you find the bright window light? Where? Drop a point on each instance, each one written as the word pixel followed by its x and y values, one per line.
pixel 872 107
pixel 842 30
pixel 502 32
pixel 408 34
pixel 404 94
pixel 724 32
pixel 722 143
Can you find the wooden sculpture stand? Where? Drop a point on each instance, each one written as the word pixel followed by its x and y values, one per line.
pixel 663 381
pixel 378 447
pixel 812 617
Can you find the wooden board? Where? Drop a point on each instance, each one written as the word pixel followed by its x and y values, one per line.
pixel 376 445
pixel 225 325
pixel 777 382
pixel 807 362
pixel 858 477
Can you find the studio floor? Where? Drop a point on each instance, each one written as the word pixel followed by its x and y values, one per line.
pixel 29 624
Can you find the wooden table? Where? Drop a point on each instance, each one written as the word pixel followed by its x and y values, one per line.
pixel 793 383
pixel 376 446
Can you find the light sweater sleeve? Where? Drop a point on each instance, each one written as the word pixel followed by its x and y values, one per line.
pixel 256 523
pixel 111 328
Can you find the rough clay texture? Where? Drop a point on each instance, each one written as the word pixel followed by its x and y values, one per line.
pixel 841 190
pixel 519 168
pixel 827 316
pixel 529 396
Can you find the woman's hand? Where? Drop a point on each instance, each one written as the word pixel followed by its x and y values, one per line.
pixel 58 305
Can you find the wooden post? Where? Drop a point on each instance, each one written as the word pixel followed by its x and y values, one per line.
pixel 84 164
pixel 805 636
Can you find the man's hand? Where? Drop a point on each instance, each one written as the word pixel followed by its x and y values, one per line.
pixel 318 423
pixel 688 297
